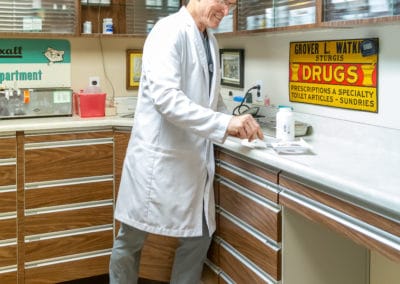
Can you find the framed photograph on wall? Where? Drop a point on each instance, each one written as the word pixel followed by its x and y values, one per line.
pixel 232 66
pixel 133 68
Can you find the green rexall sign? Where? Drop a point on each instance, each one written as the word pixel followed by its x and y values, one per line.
pixel 27 51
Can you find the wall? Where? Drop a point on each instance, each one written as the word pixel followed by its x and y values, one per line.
pixel 103 57
pixel 267 57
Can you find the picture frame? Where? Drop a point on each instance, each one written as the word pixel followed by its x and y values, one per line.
pixel 232 67
pixel 133 68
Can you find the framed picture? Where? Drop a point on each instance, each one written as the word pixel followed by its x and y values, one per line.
pixel 133 68
pixel 232 65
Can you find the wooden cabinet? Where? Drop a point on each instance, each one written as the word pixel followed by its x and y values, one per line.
pixel 8 209
pixel 68 196
pixel 158 251
pixel 38 17
pixel 249 220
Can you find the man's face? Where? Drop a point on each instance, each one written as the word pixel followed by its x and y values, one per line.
pixel 215 10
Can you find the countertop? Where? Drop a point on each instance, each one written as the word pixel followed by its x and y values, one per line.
pixel 361 173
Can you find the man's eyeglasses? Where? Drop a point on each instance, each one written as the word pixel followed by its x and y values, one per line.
pixel 229 5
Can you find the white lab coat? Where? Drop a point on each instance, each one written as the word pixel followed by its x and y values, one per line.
pixel 169 166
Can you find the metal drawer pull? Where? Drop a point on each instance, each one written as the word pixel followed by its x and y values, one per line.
pixel 8 188
pixel 7 269
pixel 346 220
pixel 71 181
pixel 68 258
pixel 69 207
pixel 69 143
pixel 8 162
pixel 68 233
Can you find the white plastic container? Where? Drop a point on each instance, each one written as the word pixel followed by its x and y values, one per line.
pixel 108 26
pixel 87 27
pixel 285 124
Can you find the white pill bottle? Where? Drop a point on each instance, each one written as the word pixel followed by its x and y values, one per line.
pixel 285 124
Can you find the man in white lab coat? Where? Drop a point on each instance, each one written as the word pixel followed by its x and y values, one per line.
pixel 166 185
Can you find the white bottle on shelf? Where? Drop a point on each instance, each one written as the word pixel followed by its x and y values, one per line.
pixel 108 26
pixel 285 124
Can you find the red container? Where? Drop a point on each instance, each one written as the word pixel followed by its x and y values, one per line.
pixel 90 105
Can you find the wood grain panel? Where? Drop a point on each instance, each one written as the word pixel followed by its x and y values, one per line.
pixel 68 162
pixel 8 277
pixel 356 236
pixel 260 217
pixel 67 270
pixel 8 229
pixel 209 276
pixel 29 138
pixel 213 253
pixel 8 255
pixel 8 175
pixel 157 257
pixel 342 206
pixel 8 148
pixel 67 194
pixel 263 256
pixel 121 140
pixel 67 220
pixel 69 245
pixel 236 270
pixel 8 201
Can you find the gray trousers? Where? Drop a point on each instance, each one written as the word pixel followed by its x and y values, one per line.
pixel 188 261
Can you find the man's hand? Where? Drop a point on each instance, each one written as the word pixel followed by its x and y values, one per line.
pixel 245 126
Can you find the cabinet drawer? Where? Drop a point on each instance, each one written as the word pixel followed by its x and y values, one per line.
pixel 8 255
pixel 266 257
pixel 68 245
pixel 67 270
pixel 8 201
pixel 8 148
pixel 68 162
pixel 252 210
pixel 239 270
pixel 267 176
pixel 67 194
pixel 8 277
pixel 68 219
pixel 8 228
pixel 8 175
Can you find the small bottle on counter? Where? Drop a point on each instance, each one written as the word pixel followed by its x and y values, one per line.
pixel 285 124
pixel 108 26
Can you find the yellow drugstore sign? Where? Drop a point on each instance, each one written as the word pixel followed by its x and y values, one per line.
pixel 335 73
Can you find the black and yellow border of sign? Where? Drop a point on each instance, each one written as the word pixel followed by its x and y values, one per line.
pixel 335 73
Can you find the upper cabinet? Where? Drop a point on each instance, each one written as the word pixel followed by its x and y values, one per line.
pixel 275 15
pixel 129 17
pixel 137 17
pixel 38 16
